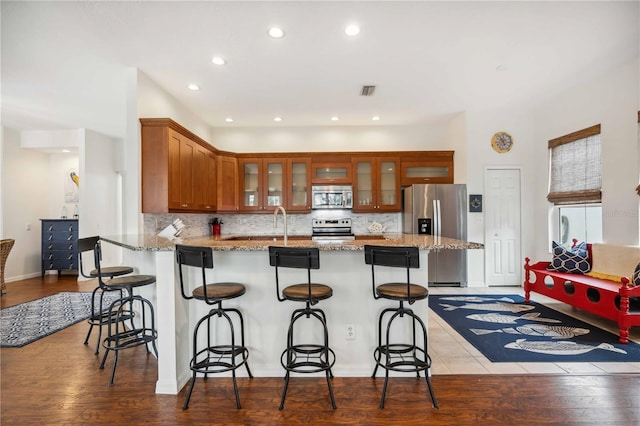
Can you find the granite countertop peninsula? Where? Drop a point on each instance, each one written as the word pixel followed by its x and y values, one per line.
pixel 262 242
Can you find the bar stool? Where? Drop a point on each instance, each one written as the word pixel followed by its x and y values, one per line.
pixel 214 357
pixel 401 357
pixel 138 310
pixel 102 315
pixel 303 357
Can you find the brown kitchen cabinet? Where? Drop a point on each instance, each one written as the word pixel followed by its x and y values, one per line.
pixel 204 179
pixel 227 184
pixel 331 173
pixel 298 197
pixel 376 184
pixel 171 173
pixel 262 183
pixel 427 171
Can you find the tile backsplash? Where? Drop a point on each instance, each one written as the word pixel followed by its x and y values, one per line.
pixel 262 224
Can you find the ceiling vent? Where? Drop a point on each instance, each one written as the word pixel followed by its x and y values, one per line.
pixel 367 90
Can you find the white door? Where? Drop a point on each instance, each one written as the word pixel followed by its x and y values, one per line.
pixel 502 229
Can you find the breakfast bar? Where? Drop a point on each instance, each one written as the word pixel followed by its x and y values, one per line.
pixel 245 259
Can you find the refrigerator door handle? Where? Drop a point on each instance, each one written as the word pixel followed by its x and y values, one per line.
pixel 435 218
pixel 439 220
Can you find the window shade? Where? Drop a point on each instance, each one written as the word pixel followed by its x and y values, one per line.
pixel 576 166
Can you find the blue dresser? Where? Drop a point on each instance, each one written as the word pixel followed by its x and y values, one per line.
pixel 59 245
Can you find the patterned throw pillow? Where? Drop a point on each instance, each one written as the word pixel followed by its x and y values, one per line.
pixel 574 261
pixel 635 280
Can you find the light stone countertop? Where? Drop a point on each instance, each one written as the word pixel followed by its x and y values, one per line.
pixel 262 242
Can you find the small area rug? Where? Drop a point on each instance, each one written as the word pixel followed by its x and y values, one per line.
pixel 505 329
pixel 27 322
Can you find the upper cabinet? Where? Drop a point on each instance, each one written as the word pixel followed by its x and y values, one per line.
pixel 262 183
pixel 298 185
pixel 265 183
pixel 331 173
pixel 205 179
pixel 227 196
pixel 376 184
pixel 430 167
pixel 177 169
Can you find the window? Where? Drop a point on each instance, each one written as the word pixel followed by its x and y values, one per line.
pixel 575 185
pixel 575 175
pixel 583 223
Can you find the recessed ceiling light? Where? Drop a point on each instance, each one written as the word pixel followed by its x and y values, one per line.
pixel 218 60
pixel 277 119
pixel 66 151
pixel 375 118
pixel 502 67
pixel 193 87
pixel 229 120
pixel 334 118
pixel 276 32
pixel 352 30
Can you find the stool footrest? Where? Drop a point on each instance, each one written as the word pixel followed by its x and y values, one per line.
pixel 130 338
pixel 402 357
pixel 219 359
pixel 107 317
pixel 308 358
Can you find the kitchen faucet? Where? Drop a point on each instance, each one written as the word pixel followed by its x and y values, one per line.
pixel 284 220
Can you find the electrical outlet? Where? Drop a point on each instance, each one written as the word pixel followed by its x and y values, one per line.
pixel 350 331
pixel 28 227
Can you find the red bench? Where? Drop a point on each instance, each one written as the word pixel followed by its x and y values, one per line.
pixel 603 297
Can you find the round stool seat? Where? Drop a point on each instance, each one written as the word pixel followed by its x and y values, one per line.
pixel 112 271
pixel 398 291
pixel 131 281
pixel 220 291
pixel 300 292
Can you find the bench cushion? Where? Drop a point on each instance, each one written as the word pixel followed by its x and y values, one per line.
pixel 612 262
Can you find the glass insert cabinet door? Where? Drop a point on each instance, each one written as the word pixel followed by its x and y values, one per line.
pixel 377 184
pixel 388 184
pixel 299 185
pixel 251 177
pixel 364 188
pixel 275 183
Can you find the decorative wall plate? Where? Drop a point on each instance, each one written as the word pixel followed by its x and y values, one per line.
pixel 501 142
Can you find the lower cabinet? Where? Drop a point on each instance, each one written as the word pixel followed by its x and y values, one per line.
pixel 59 245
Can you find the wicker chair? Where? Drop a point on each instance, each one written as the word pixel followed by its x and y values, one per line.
pixel 5 248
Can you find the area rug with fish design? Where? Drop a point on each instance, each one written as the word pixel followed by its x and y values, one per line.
pixel 506 329
pixel 27 322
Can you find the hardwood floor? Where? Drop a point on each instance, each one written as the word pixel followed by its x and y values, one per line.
pixel 56 380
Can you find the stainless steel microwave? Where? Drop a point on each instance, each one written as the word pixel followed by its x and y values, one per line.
pixel 331 197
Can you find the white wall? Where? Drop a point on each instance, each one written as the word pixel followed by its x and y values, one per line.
pixel 59 181
pixel 431 136
pixel 612 101
pixel 25 200
pixel 155 102
pixel 100 201
pixel 480 127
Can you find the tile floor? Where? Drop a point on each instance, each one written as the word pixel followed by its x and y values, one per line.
pixel 452 354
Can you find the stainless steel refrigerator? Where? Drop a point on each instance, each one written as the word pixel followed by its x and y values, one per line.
pixel 439 210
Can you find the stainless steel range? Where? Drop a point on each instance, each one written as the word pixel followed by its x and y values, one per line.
pixel 331 229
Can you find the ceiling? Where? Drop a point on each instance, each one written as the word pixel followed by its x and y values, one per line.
pixel 64 64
